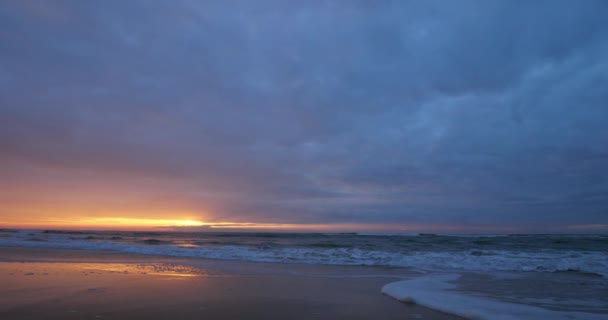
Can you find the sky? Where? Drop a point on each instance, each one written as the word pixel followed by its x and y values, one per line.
pixel 386 116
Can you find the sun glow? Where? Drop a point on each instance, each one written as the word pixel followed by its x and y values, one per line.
pixel 142 222
pixel 99 223
pixel 189 222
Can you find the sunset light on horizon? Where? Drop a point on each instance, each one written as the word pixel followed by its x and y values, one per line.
pixel 324 116
pixel 324 159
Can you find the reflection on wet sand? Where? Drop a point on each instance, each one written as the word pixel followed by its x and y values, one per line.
pixel 74 284
pixel 60 268
pixel 166 270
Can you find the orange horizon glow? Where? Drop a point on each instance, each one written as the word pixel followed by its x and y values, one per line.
pixel 192 224
pixel 122 223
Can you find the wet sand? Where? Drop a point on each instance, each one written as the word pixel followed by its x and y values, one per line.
pixel 76 284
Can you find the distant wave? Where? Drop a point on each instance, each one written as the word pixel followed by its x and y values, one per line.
pixel 318 249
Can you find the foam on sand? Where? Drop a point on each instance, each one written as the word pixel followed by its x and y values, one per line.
pixel 436 292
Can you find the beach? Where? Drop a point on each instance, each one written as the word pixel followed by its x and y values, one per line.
pixel 80 284
pixel 227 275
pixel 325 159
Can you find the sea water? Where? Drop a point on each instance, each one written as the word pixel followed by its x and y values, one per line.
pixel 481 276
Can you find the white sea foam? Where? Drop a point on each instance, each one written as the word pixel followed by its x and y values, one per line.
pixel 437 292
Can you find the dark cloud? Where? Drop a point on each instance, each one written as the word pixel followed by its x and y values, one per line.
pixel 473 112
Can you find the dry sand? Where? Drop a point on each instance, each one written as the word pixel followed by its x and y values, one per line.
pixel 75 284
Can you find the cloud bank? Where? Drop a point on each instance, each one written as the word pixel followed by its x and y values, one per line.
pixel 471 113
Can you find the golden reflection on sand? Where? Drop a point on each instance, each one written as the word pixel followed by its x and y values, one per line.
pixel 146 269
pixel 166 271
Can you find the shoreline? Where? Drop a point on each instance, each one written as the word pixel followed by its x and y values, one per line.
pixel 82 284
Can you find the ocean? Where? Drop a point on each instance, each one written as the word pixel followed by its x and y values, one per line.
pixel 519 276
